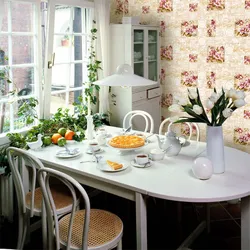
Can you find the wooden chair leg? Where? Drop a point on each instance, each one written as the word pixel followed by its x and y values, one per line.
pixel 119 246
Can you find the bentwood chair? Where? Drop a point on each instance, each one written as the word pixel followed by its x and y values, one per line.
pixel 24 168
pixel 191 126
pixel 129 117
pixel 82 229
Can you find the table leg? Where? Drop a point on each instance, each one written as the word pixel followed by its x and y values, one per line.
pixel 245 223
pixel 141 222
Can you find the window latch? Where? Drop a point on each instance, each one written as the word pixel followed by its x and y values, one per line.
pixel 51 63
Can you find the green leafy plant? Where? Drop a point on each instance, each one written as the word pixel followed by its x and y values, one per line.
pixel 27 108
pixel 219 106
pixel 93 66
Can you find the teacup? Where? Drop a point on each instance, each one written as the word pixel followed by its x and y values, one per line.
pixel 141 159
pixel 156 154
pixel 102 131
pixel 94 146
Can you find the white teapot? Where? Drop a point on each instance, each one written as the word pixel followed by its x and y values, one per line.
pixel 171 143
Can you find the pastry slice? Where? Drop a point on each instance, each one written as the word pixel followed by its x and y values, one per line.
pixel 114 165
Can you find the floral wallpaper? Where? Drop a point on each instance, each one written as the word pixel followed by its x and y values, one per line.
pixel 204 44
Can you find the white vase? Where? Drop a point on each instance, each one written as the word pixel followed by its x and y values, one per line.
pixel 215 148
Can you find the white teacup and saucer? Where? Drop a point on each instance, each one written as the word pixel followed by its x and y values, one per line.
pixel 94 147
pixel 141 161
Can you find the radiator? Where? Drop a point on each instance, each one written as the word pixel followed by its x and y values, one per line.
pixel 6 197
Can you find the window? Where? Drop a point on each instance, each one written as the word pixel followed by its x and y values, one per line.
pixel 48 63
pixel 19 59
pixel 68 42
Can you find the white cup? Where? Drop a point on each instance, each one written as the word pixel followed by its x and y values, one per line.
pixel 156 154
pixel 94 146
pixel 141 159
pixel 102 131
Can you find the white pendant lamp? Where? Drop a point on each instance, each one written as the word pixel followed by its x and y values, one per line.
pixel 124 76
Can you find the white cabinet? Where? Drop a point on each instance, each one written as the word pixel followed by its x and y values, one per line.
pixel 138 46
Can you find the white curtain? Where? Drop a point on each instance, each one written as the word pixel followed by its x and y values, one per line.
pixel 102 15
pixel 1 12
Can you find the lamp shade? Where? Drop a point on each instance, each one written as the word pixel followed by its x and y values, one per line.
pixel 124 76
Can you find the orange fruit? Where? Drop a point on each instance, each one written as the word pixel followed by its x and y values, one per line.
pixel 69 134
pixel 55 138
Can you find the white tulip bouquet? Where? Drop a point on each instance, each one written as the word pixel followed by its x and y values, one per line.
pixel 219 105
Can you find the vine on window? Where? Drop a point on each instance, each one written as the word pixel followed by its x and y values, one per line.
pixel 93 67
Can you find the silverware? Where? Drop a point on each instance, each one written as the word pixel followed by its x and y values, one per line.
pixel 97 158
pixel 71 152
pixel 87 161
pixel 146 164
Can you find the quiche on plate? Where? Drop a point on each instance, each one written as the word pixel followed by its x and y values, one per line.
pixel 127 141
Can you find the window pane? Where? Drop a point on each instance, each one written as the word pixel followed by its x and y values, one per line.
pixel 3 50
pixel 22 21
pixel 62 19
pixel 5 18
pixel 4 85
pixel 22 49
pixel 64 100
pixel 57 101
pixel 63 49
pixel 4 118
pixel 79 48
pixel 24 80
pixel 73 96
pixel 60 76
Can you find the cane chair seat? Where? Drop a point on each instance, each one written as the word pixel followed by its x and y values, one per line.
pixel 104 228
pixel 61 195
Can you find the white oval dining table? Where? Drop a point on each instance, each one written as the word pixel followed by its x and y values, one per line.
pixel 169 179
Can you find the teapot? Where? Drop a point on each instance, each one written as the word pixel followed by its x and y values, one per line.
pixel 171 143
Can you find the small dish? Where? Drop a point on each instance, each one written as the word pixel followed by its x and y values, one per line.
pixel 96 152
pixel 103 166
pixel 64 153
pixel 134 164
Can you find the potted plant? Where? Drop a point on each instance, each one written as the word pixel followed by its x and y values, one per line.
pixel 65 41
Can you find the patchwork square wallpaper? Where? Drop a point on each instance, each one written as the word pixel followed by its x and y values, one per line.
pixel 204 44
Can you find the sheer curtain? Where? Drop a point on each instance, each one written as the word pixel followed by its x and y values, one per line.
pixel 102 14
pixel 1 12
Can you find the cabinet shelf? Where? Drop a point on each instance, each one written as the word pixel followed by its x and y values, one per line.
pixel 152 60
pixel 152 42
pixel 138 42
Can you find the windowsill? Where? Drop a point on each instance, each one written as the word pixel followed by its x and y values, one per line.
pixel 5 140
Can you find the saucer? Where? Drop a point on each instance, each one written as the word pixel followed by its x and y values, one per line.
pixel 65 154
pixel 97 151
pixel 134 164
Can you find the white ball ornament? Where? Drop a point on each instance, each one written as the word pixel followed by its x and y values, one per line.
pixel 202 168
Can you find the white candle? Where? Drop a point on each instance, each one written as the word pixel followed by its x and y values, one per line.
pixel 89 111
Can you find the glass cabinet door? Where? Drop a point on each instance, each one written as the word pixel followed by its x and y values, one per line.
pixel 152 55
pixel 139 52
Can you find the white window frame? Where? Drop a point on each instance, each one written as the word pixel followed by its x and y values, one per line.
pixel 49 47
pixel 36 35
